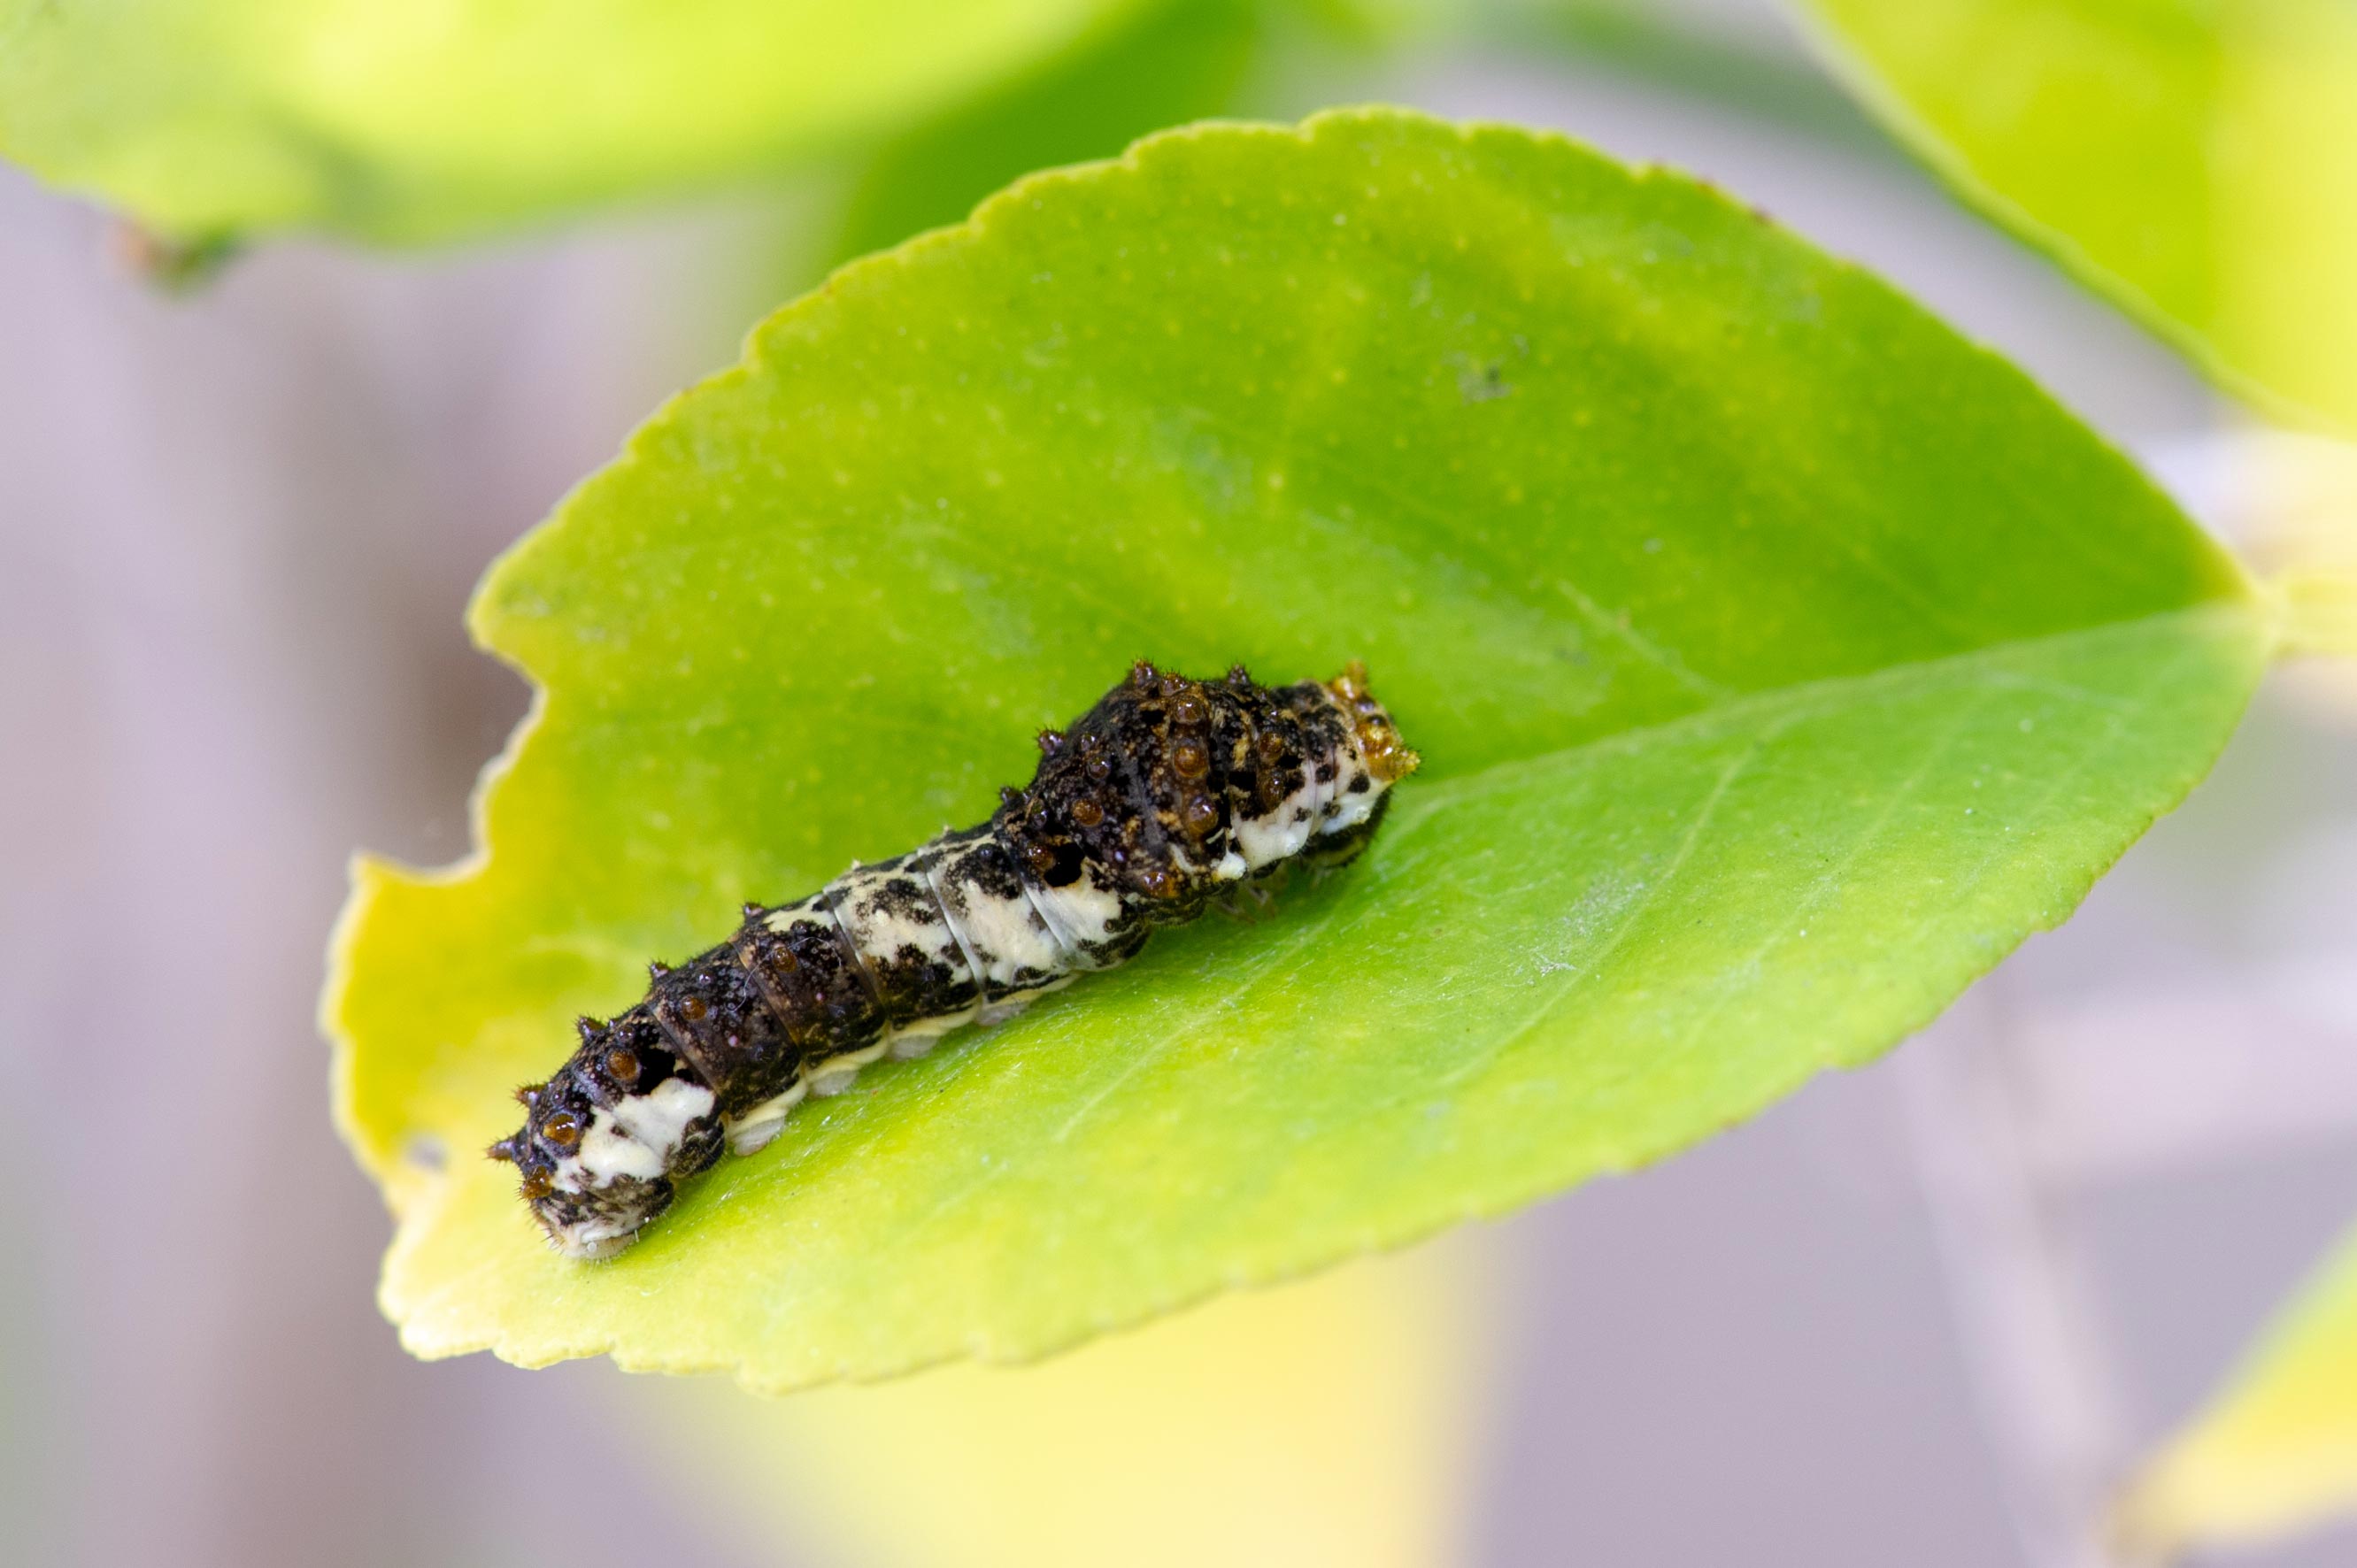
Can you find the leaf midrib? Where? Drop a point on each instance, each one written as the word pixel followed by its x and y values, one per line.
pixel 1774 709
pixel 1421 802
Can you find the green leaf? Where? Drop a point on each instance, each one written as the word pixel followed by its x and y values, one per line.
pixel 1779 661
pixel 2196 163
pixel 2276 1449
pixel 409 121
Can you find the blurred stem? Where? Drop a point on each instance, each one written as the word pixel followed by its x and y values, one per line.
pixel 167 264
pixel 2032 1340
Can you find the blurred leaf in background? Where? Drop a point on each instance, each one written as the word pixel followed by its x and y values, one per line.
pixel 402 123
pixel 2294 501
pixel 1690 50
pixel 2199 163
pixel 1330 1421
pixel 2277 1450
pixel 1170 62
pixel 1779 660
pixel 2196 163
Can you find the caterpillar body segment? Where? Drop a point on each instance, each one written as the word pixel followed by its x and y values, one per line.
pixel 1167 795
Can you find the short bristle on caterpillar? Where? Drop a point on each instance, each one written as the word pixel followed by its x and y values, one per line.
pixel 1168 796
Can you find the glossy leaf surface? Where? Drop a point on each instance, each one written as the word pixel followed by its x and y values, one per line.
pixel 1779 660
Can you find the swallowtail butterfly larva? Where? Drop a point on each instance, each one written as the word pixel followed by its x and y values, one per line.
pixel 1169 795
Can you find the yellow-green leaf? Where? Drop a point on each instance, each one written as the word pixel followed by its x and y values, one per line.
pixel 1779 660
pixel 1332 1420
pixel 2277 1448
pixel 408 120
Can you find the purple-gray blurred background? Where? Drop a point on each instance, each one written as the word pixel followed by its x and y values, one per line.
pixel 1921 1315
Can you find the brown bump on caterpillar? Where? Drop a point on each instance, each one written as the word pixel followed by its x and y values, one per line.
pixel 1239 676
pixel 1050 741
pixel 751 910
pixel 1189 709
pixel 1009 797
pixel 622 1066
pixel 503 1150
pixel 537 1185
pixel 1272 746
pixel 1099 768
pixel 1199 815
pixel 563 1129
pixel 590 1028
pixel 657 970
pixel 1388 760
pixel 1143 675
pixel 693 1008
pixel 1379 741
pixel 1087 812
pixel 1157 879
pixel 1190 758
pixel 1172 684
pixel 528 1095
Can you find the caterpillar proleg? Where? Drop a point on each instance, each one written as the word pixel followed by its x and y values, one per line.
pixel 1167 795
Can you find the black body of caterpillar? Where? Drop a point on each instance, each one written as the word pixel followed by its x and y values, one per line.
pixel 1164 796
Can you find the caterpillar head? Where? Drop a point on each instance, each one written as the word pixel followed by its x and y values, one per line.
pixel 604 1140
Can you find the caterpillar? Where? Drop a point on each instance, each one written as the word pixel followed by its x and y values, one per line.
pixel 1167 795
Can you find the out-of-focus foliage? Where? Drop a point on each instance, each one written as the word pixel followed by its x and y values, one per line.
pixel 2310 545
pixel 1175 62
pixel 1327 1422
pixel 1779 660
pixel 410 120
pixel 2278 1447
pixel 2290 501
pixel 2196 163
pixel 2320 583
pixel 2324 611
pixel 1684 49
